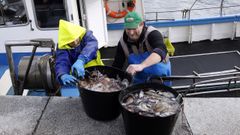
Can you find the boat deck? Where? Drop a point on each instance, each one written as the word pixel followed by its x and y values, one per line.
pixel 185 48
pixel 199 58
pixel 184 62
pixel 207 46
pixel 65 115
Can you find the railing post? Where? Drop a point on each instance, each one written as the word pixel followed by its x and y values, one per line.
pixel 183 14
pixel 221 8
pixel 189 14
pixel 156 16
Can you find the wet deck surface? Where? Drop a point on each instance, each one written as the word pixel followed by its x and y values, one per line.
pixel 206 46
pixel 62 115
pixel 184 48
pixel 200 57
pixel 65 115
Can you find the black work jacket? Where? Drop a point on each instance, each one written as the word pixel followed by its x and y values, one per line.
pixel 155 40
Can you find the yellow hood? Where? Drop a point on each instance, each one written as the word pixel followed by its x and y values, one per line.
pixel 68 32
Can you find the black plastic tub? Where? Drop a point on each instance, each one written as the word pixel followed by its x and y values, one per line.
pixel 136 124
pixel 103 106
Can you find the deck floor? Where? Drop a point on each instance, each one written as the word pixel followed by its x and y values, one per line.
pixel 201 57
pixel 184 48
pixel 207 47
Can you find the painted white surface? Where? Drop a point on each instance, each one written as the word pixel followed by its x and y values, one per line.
pixel 114 37
pixel 190 34
pixel 238 29
pixel 201 32
pixel 72 11
pixel 24 32
pixel 95 20
pixel 223 30
pixel 179 34
pixel 5 83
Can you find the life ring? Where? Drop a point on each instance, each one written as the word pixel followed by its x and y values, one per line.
pixel 119 14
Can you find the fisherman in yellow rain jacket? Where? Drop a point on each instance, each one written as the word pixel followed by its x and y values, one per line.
pixel 77 48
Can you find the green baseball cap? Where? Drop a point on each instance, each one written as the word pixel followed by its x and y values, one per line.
pixel 132 20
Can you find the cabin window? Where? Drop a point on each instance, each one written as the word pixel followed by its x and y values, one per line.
pixel 48 12
pixel 12 12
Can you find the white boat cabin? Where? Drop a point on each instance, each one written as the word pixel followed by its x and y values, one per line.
pixel 30 19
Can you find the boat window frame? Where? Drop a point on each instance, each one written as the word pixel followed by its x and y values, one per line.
pixel 48 28
pixel 17 25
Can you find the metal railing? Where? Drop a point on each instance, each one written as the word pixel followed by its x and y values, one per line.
pixel 186 13
pixel 226 79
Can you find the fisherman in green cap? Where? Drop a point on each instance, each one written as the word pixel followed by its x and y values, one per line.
pixel 141 50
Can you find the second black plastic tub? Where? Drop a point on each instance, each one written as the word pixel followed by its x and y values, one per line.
pixel 103 106
pixel 136 124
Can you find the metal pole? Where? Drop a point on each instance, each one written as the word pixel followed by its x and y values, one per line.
pixel 27 71
pixel 12 69
pixel 3 14
pixel 8 45
pixel 189 14
pixel 193 4
pixel 156 16
pixel 221 8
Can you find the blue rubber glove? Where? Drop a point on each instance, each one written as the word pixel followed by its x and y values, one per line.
pixel 68 79
pixel 78 68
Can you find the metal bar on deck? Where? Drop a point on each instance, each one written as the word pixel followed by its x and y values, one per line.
pixel 216 80
pixel 21 88
pixel 236 67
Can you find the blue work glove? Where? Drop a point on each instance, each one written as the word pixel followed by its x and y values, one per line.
pixel 78 68
pixel 68 79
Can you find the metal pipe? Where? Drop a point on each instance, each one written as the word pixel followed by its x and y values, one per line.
pixel 187 11
pixel 156 17
pixel 3 13
pixel 28 69
pixel 12 68
pixel 33 67
pixel 192 9
pixel 193 5
pixel 8 45
pixel 21 43
pixel 237 68
pixel 216 80
pixel 199 76
pixel 221 8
